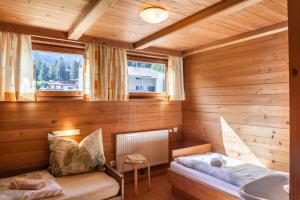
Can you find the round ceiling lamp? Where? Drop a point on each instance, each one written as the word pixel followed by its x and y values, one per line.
pixel 154 15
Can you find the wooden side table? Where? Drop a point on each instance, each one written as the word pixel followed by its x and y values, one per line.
pixel 135 167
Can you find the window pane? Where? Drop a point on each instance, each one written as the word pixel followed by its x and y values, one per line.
pixel 58 71
pixel 146 77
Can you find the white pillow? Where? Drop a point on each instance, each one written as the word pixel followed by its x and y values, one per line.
pixel 70 157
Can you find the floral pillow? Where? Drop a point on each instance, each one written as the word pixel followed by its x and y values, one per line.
pixel 70 157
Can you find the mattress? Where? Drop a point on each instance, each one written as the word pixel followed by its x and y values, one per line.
pixel 88 186
pixel 205 178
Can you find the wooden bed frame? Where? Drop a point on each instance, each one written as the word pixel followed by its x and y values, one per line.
pixel 119 178
pixel 190 188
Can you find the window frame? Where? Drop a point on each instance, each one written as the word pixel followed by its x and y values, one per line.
pixel 53 95
pixel 150 95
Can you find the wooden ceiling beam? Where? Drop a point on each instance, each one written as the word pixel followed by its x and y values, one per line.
pixel 63 36
pixel 161 51
pixel 224 7
pixel 33 30
pixel 261 32
pixel 106 42
pixel 60 35
pixel 94 11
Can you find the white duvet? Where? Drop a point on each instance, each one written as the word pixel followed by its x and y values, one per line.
pixel 234 171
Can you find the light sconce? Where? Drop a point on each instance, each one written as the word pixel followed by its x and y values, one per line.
pixel 66 133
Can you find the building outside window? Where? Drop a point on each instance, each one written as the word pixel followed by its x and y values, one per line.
pixel 146 77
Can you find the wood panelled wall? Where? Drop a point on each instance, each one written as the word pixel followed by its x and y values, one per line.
pixel 24 126
pixel 238 99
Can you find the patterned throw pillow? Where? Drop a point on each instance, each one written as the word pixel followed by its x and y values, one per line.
pixel 70 157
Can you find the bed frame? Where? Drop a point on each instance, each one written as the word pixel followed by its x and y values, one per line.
pixel 189 188
pixel 119 178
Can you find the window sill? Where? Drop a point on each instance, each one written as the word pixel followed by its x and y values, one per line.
pixel 148 95
pixel 71 95
pixel 59 95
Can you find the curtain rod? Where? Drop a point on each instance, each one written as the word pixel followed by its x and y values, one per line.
pixel 80 45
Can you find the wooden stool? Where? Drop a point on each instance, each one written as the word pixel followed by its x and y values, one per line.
pixel 135 167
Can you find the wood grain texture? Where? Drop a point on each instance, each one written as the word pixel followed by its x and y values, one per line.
pixel 160 189
pixel 24 126
pixel 51 37
pixel 238 100
pixel 219 9
pixel 261 32
pixel 198 149
pixel 55 14
pixel 89 17
pixel 260 15
pixel 294 67
pixel 121 21
pixel 194 189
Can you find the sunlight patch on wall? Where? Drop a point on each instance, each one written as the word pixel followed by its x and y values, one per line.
pixel 234 145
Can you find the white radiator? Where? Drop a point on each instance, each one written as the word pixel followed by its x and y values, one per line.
pixel 154 145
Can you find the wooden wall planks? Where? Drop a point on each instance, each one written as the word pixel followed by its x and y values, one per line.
pixel 24 126
pixel 238 99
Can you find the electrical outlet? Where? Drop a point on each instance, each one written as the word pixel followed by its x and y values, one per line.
pixel 175 129
pixel 112 163
pixel 170 130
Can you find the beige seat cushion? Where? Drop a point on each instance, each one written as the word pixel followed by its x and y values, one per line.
pixel 88 186
pixel 51 188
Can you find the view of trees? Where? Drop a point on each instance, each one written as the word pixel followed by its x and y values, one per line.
pixel 155 66
pixel 58 67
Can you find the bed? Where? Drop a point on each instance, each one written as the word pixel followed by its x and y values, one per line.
pixel 105 185
pixel 89 186
pixel 193 184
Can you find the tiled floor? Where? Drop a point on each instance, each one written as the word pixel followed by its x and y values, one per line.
pixel 161 190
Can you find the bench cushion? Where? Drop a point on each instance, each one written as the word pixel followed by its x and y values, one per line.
pixel 51 188
pixel 89 186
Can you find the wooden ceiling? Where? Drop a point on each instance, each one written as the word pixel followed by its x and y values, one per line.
pixel 53 14
pixel 121 20
pixel 262 14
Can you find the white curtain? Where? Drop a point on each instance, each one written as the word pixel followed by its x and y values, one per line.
pixel 16 68
pixel 175 86
pixel 105 73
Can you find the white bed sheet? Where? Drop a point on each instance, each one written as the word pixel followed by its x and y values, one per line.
pixel 205 178
pixel 87 186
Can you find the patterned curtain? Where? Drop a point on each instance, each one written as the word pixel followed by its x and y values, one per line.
pixel 105 74
pixel 175 86
pixel 16 68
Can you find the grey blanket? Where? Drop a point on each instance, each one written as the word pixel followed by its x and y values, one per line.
pixel 234 172
pixel 245 173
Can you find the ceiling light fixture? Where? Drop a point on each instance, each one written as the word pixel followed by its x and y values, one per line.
pixel 154 15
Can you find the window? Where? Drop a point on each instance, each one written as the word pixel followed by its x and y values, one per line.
pixel 58 72
pixel 146 77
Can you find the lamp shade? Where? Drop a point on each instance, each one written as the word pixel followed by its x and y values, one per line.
pixel 154 15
